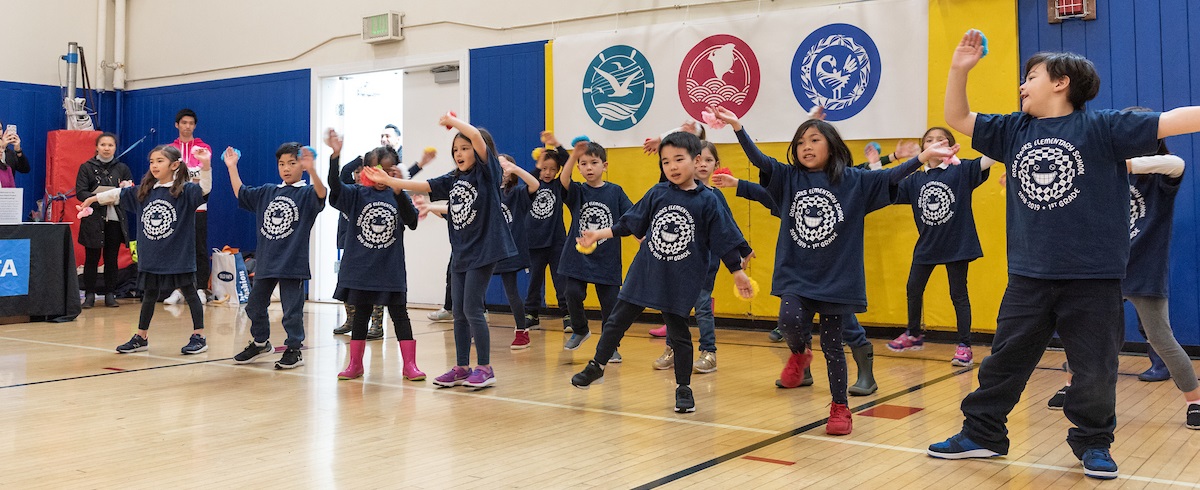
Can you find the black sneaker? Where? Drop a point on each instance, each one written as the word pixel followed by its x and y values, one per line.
pixel 532 321
pixel 684 403
pixel 135 344
pixel 567 324
pixel 254 352
pixel 343 330
pixel 196 344
pixel 291 359
pixel 1193 416
pixel 1060 397
pixel 592 374
pixel 375 333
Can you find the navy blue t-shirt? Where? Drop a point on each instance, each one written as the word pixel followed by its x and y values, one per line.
pixel 373 259
pixel 682 229
pixel 545 225
pixel 1068 188
pixel 1151 213
pixel 819 253
pixel 515 202
pixel 479 235
pixel 284 216
pixel 941 205
pixel 166 228
pixel 594 208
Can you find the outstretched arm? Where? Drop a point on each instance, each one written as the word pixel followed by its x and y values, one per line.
pixel 231 158
pixel 308 163
pixel 1180 120
pixel 397 185
pixel 958 109
pixel 471 132
pixel 1169 165
pixel 569 167
pixel 531 182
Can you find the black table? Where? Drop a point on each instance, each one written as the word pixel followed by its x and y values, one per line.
pixel 46 274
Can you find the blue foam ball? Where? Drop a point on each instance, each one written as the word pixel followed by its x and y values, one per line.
pixel 876 146
pixel 313 150
pixel 985 46
pixel 582 137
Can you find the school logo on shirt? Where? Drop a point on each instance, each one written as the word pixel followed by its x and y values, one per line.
pixel 815 212
pixel 618 88
pixel 671 231
pixel 377 225
pixel 543 204
pixel 595 215
pixel 462 204
pixel 280 217
pixel 507 213
pixel 1137 210
pixel 936 200
pixel 1046 169
pixel 721 71
pixel 838 67
pixel 158 219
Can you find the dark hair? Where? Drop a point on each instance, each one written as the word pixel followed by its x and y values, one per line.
pixel 181 173
pixel 706 144
pixel 683 140
pixel 1084 81
pixel 487 141
pixel 594 149
pixel 379 154
pixel 949 135
pixel 839 153
pixel 106 134
pixel 1162 143
pixel 550 154
pixel 289 148
pixel 185 113
pixel 393 128
pixel 512 178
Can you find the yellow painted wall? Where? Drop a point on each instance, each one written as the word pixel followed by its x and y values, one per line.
pixel 890 233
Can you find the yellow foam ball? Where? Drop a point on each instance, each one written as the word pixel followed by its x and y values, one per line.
pixel 585 250
pixel 753 290
pixel 430 149
pixel 537 154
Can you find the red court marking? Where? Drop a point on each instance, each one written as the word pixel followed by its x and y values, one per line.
pixel 894 412
pixel 769 460
pixel 114 369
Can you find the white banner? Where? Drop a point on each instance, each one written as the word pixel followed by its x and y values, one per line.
pixel 865 62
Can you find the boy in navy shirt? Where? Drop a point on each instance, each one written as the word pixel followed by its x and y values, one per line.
pixel 1068 228
pixel 546 233
pixel 682 223
pixel 595 204
pixel 284 215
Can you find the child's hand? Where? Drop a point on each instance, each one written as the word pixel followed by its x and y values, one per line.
pixel 937 151
pixel 746 260
pixel 125 183
pixel 427 156
pixel 724 180
pixel 587 238
pixel 968 52
pixel 817 112
pixel 906 149
pixel 726 115
pixel 421 204
pixel 580 147
pixel 376 174
pixel 334 141
pixel 507 165
pixel 203 154
pixel 449 120
pixel 650 147
pixel 308 158
pixel 231 157
pixel 549 140
pixel 743 284
pixel 872 154
pixel 689 126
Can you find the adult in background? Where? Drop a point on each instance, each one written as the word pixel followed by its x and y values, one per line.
pixel 185 122
pixel 104 230
pixel 11 159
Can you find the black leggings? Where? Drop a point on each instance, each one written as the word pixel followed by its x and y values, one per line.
pixel 509 279
pixel 797 329
pixel 149 300
pixel 678 337
pixel 577 292
pixel 113 237
pixel 400 320
pixel 918 278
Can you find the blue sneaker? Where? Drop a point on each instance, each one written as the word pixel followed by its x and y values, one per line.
pixel 959 446
pixel 196 344
pixel 576 340
pixel 135 344
pixel 1097 463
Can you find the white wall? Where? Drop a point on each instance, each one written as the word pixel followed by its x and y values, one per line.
pixel 36 34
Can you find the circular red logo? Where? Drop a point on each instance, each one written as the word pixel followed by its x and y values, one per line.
pixel 720 70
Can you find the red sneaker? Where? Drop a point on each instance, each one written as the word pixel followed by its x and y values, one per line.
pixel 521 341
pixel 793 372
pixel 839 423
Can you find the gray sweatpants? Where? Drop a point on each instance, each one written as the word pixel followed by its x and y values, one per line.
pixel 1155 321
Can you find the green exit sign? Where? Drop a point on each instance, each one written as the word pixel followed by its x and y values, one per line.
pixel 383 27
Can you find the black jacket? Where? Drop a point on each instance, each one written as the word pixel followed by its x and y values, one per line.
pixel 92 174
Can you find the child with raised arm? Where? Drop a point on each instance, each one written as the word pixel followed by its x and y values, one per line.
pixel 479 239
pixel 682 223
pixel 165 203
pixel 819 254
pixel 546 233
pixel 1068 244
pixel 595 204
pixel 373 268
pixel 517 187
pixel 941 204
pixel 284 214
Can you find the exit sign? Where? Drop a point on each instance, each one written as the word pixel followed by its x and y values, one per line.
pixel 383 27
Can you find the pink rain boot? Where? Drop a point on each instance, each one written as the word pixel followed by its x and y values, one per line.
pixel 355 368
pixel 408 350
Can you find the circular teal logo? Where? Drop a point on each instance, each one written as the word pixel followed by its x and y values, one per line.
pixel 618 88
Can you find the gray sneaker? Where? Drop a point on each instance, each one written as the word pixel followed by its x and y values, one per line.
pixel 441 315
pixel 616 357
pixel 666 360
pixel 707 362
pixel 576 340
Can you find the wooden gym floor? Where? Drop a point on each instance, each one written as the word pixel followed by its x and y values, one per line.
pixel 78 415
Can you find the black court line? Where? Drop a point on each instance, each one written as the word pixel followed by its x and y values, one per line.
pixel 787 435
pixel 32 383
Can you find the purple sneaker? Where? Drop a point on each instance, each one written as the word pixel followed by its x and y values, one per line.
pixel 454 377
pixel 963 356
pixel 481 377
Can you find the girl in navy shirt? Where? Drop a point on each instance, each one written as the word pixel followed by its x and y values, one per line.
pixel 941 204
pixel 546 233
pixel 165 203
pixel 516 198
pixel 378 210
pixel 479 238
pixel 595 204
pixel 819 254
pixel 683 224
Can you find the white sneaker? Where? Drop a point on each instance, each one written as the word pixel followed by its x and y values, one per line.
pixel 441 315
pixel 200 293
pixel 175 298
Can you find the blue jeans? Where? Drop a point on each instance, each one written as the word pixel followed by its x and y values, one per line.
pixel 509 280
pixel 291 296
pixel 1089 317
pixel 705 321
pixel 470 289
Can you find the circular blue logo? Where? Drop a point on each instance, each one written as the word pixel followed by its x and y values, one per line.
pixel 837 66
pixel 618 88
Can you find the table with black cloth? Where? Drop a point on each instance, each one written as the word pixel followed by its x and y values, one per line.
pixel 53 283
